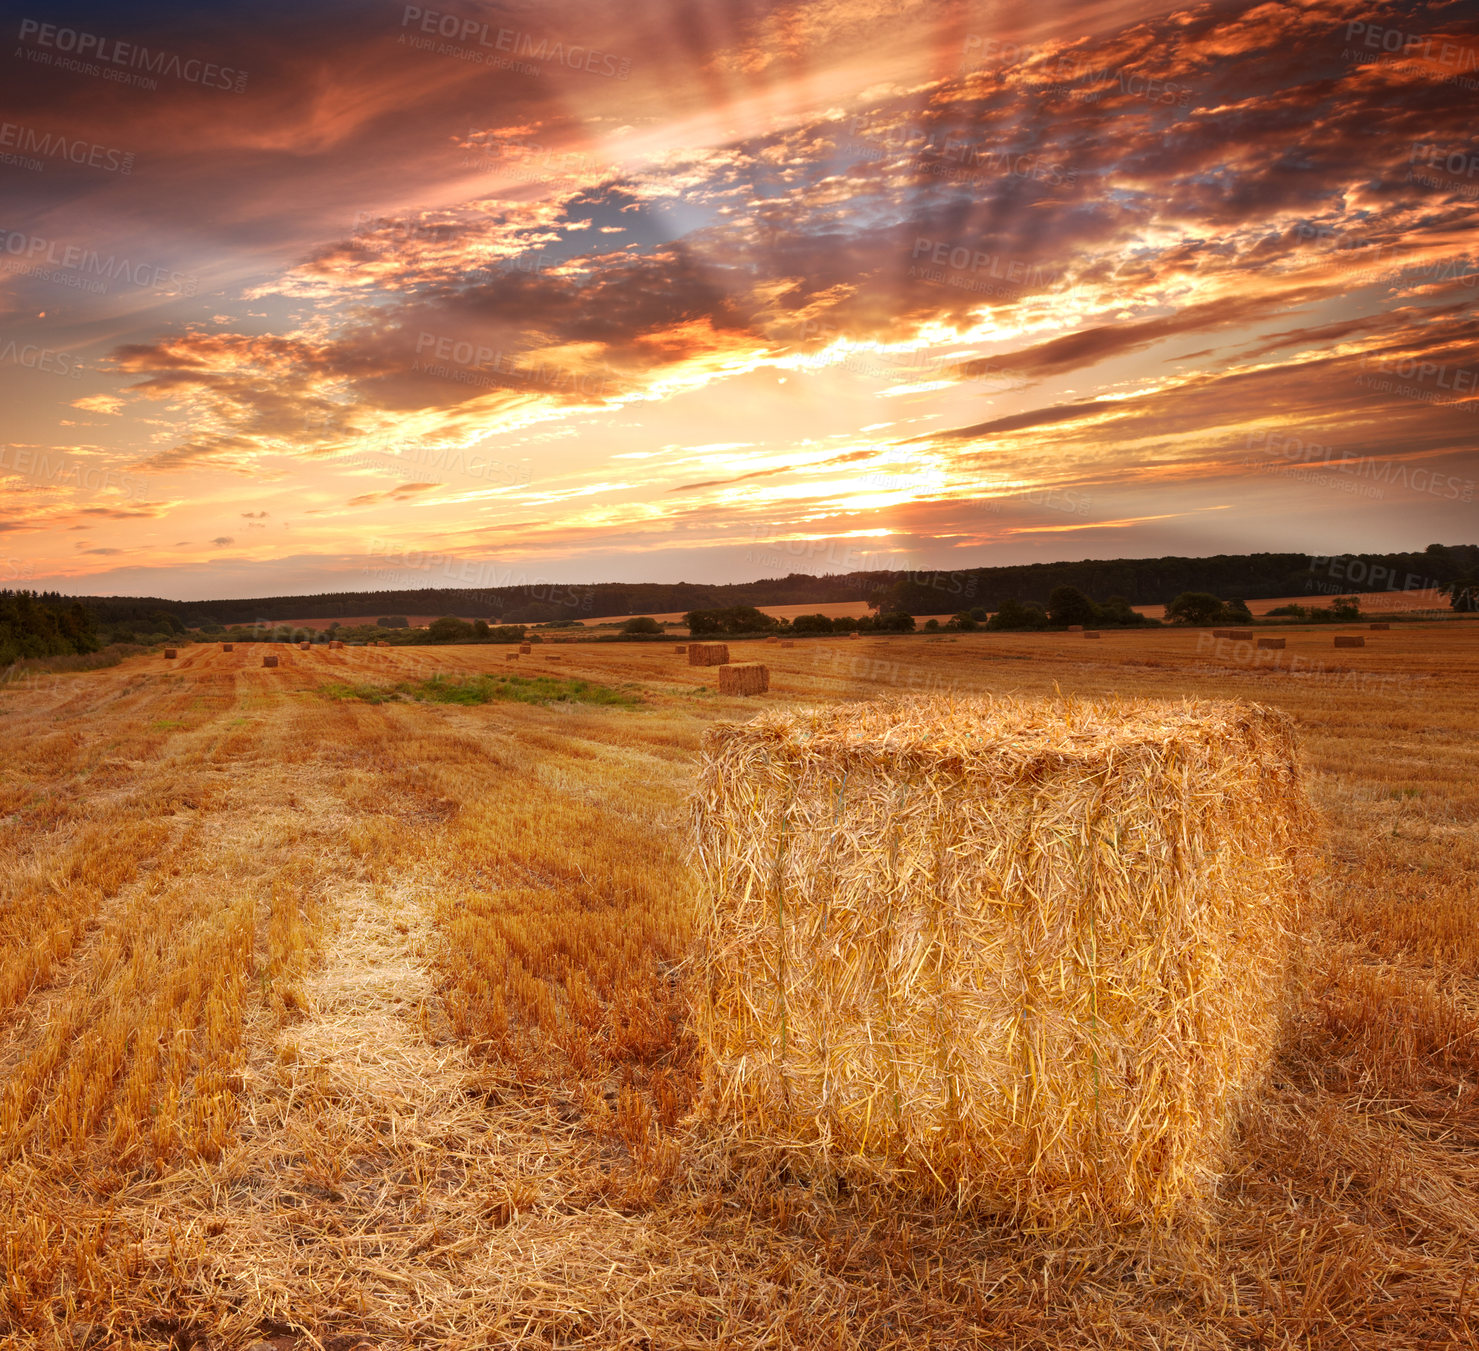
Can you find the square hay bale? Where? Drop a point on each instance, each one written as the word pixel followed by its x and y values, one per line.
pixel 681 647
pixel 1349 640
pixel 170 652
pixel 228 647
pixel 1272 644
pixel 526 647
pixel 1075 628
pixel 1030 956
pixel 744 677
pixel 269 661
pixel 773 638
pixel 335 644
pixel 510 656
pixel 788 642
pixel 1379 628
pixel 1091 633
pixel 854 634
pixel 304 647
pixel 708 654
pixel 553 656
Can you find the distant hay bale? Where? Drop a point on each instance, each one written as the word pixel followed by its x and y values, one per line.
pixel 744 677
pixel 1271 643
pixel 304 647
pixel 335 644
pixel 1380 628
pixel 526 647
pixel 1349 640
pixel 708 654
pixel 681 647
pixel 1075 628
pixel 788 642
pixel 1091 633
pixel 1031 956
pixel 1239 635
pixel 269 661
pixel 228 647
pixel 853 634
pixel 772 638
pixel 510 656
pixel 553 656
pixel 170 652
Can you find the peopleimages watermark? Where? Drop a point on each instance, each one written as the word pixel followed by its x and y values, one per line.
pixel 1372 262
pixel 943 154
pixel 1446 168
pixel 29 148
pixel 33 357
pixel 974 270
pixel 530 162
pixel 1076 76
pixel 465 362
pixel 1364 475
pixel 408 564
pixel 1348 574
pixel 444 460
pixel 1423 381
pixel 1276 661
pixel 37 463
pixel 472 40
pixel 85 269
pixel 837 555
pixel 1394 45
pixel 85 53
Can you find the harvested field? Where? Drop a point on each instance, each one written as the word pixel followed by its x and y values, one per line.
pixel 328 1021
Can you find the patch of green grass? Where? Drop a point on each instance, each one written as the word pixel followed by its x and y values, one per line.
pixel 486 689
pixel 364 691
pixel 165 725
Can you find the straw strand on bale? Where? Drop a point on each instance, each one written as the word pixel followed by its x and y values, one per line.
pixel 1027 955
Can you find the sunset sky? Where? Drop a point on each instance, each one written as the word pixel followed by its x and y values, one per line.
pixel 309 297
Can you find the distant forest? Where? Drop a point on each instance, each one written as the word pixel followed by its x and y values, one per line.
pixel 1138 581
pixel 48 624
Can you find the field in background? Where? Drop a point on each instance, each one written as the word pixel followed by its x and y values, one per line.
pixel 346 1022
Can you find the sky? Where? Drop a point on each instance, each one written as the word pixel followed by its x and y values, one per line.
pixel 327 296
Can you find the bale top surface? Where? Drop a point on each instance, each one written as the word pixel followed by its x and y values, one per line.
pixel 986 729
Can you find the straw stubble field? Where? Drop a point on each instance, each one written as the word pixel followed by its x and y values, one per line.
pixel 342 1020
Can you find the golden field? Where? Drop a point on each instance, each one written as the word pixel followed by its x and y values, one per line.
pixel 335 1023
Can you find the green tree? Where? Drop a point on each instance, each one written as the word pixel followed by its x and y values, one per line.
pixel 1012 615
pixel 642 624
pixel 812 624
pixel 393 622
pixel 1463 593
pixel 450 629
pixel 1069 605
pixel 1195 607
